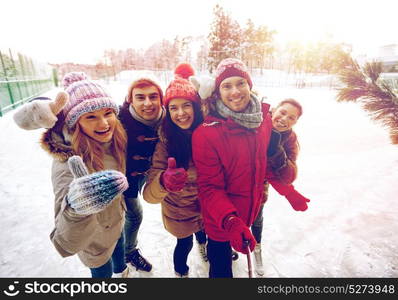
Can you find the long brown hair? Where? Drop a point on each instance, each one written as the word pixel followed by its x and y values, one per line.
pixel 93 153
pixel 179 141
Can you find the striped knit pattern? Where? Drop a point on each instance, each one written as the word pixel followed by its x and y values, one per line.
pixel 86 96
pixel 180 88
pixel 252 117
pixel 92 193
pixel 72 77
pixel 230 67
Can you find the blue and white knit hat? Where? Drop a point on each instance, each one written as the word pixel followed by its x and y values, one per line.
pixel 86 96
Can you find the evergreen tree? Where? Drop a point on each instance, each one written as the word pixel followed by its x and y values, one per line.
pixel 186 51
pixel 312 58
pixel 249 44
pixel 295 61
pixel 363 85
pixel 202 55
pixel 256 44
pixel 334 58
pixel 7 68
pixel 320 57
pixel 224 38
pixel 264 45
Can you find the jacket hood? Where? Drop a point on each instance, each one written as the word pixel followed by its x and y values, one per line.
pixel 54 143
pixel 161 135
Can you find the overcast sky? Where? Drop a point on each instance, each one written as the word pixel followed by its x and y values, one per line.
pixel 79 31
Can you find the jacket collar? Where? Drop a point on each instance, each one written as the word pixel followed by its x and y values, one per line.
pixel 53 142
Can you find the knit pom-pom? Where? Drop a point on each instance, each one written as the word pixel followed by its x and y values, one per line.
pixel 184 70
pixel 72 77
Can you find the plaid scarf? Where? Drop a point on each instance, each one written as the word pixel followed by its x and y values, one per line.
pixel 251 117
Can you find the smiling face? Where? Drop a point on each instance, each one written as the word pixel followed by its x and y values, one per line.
pixel 285 117
pixel 181 112
pixel 146 102
pixel 99 124
pixel 235 93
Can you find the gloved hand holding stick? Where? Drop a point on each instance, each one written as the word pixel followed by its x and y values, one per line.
pixel 249 260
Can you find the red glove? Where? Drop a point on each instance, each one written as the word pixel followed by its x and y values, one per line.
pixel 238 234
pixel 296 200
pixel 173 179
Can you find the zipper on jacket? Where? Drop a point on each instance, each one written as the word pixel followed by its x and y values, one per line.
pixel 253 163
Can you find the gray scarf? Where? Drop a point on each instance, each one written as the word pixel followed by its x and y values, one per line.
pixel 152 123
pixel 251 117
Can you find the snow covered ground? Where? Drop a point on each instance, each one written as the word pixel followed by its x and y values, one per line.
pixel 347 167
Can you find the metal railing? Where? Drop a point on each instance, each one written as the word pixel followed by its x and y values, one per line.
pixel 21 79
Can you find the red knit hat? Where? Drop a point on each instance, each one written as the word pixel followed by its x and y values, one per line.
pixel 231 67
pixel 144 79
pixel 181 87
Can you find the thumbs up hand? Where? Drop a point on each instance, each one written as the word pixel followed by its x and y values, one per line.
pixel 40 112
pixel 59 102
pixel 173 179
pixel 91 193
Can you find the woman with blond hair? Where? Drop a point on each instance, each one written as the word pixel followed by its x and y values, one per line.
pixel 87 144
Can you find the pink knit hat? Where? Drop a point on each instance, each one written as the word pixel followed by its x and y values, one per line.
pixel 181 87
pixel 85 96
pixel 231 67
pixel 72 77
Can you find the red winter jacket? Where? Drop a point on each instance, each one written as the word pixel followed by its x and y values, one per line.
pixel 231 164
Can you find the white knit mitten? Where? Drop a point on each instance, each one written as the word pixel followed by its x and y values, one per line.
pixel 40 113
pixel 204 85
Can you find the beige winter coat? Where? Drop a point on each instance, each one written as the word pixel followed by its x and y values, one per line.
pixel 180 211
pixel 92 237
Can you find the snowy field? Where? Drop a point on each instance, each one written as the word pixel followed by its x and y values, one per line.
pixel 347 167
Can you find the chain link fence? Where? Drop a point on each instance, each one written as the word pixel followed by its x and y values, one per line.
pixel 21 79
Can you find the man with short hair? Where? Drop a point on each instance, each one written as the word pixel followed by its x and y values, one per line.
pixel 140 114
